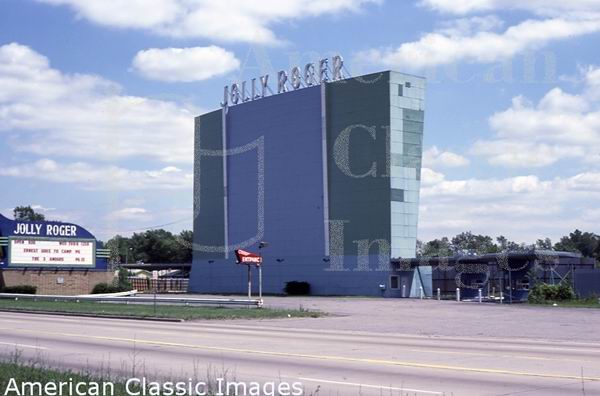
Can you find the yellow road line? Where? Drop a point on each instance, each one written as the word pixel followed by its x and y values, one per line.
pixel 491 354
pixel 236 329
pixel 426 350
pixel 402 347
pixel 321 357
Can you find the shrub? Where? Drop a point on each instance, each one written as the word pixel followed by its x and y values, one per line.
pixel 543 292
pixel 105 288
pixel 296 288
pixel 123 281
pixel 20 289
pixel 120 284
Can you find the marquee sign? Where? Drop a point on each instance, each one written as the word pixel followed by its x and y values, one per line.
pixel 41 252
pixel 311 74
pixel 244 257
pixel 48 244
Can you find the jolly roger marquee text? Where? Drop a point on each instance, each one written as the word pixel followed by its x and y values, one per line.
pixel 311 74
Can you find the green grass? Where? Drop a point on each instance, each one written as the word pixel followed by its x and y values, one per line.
pixel 583 303
pixel 25 373
pixel 162 311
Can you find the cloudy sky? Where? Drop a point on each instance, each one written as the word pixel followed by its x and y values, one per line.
pixel 97 99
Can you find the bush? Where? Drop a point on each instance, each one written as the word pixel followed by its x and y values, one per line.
pixel 123 281
pixel 20 289
pixel 120 284
pixel 105 288
pixel 295 288
pixel 543 292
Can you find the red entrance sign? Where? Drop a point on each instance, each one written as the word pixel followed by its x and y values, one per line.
pixel 244 257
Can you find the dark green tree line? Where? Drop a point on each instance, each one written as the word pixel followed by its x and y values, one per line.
pixel 152 246
pixel 26 213
pixel 586 243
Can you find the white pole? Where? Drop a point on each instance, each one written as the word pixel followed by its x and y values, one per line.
pixel 421 292
pixel 403 290
pixel 439 294
pixel 479 295
pixel 249 282
pixel 260 281
pixel 501 296
pixel 458 294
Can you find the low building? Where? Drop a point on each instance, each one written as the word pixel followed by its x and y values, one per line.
pixel 510 273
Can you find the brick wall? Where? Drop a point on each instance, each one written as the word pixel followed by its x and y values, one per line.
pixel 49 281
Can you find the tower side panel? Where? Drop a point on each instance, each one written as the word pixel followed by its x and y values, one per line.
pixel 406 150
pixel 407 106
pixel 358 121
pixel 274 194
pixel 209 223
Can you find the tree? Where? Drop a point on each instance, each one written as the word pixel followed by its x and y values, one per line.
pixel 437 248
pixel 586 243
pixel 545 244
pixel 118 246
pixel 419 248
pixel 467 242
pixel 185 241
pixel 152 246
pixel 26 213
pixel 505 245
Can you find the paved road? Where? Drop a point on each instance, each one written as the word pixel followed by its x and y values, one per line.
pixel 336 362
pixel 447 318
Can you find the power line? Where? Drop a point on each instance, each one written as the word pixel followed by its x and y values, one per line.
pixel 156 226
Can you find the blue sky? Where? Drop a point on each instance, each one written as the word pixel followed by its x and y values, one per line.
pixel 97 100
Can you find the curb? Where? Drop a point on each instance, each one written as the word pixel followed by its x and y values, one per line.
pixel 59 313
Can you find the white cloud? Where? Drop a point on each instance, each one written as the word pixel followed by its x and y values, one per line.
pixel 47 112
pixel 542 7
pixel 515 154
pixel 447 46
pixel 224 21
pixel 184 64
pixel 108 178
pixel 40 208
pixel 433 157
pixel 468 26
pixel 430 177
pixel 523 208
pixel 129 214
pixel 560 126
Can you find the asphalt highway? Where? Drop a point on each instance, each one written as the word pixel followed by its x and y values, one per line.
pixel 326 362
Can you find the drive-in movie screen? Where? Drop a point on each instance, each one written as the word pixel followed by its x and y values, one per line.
pixel 299 198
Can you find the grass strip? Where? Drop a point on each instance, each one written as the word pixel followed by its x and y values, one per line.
pixel 582 303
pixel 15 373
pixel 161 310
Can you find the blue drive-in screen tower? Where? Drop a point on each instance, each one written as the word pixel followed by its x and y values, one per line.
pixel 326 169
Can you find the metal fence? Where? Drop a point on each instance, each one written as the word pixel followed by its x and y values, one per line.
pixel 587 283
pixel 137 300
pixel 161 285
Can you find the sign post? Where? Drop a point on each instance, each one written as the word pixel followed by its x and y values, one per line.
pixel 250 259
pixel 249 282
pixel 261 246
pixel 260 282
